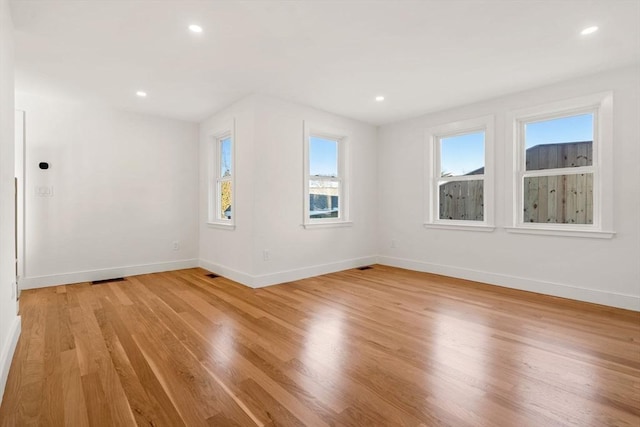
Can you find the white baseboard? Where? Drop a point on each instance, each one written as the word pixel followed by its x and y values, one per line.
pixel 103 274
pixel 263 280
pixel 229 273
pixel 629 302
pixel 8 348
pixel 311 271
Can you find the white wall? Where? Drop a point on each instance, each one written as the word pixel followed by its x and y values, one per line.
pixel 602 271
pixel 293 250
pixel 269 197
pixel 226 251
pixel 9 321
pixel 124 189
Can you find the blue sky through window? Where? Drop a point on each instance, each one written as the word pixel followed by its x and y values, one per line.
pixel 225 157
pixel 323 156
pixel 563 129
pixel 461 154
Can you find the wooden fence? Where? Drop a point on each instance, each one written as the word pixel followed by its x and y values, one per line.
pixel 462 200
pixel 564 199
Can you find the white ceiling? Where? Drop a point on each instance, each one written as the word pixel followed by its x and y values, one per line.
pixel 333 55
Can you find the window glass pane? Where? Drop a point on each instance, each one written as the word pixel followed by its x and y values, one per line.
pixel 324 199
pixel 559 143
pixel 561 199
pixel 462 200
pixel 462 155
pixel 323 157
pixel 225 157
pixel 225 199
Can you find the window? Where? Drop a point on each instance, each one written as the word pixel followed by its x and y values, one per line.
pixel 460 184
pixel 560 153
pixel 221 191
pixel 558 170
pixel 326 191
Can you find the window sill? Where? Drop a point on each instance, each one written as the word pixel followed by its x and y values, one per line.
pixel 336 224
pixel 467 227
pixel 221 225
pixel 566 232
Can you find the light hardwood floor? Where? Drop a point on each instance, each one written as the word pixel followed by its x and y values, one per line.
pixel 377 347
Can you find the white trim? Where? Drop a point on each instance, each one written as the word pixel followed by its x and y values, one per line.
pixel 457 225
pixel 559 171
pixel 235 275
pixel 8 349
pixel 285 276
pixel 221 225
pixel 328 224
pixel 563 107
pixel 228 130
pixel 433 179
pixel 479 177
pixel 344 167
pixel 601 106
pixel 311 271
pixel 103 274
pixel 561 231
pixel 20 168
pixel 612 299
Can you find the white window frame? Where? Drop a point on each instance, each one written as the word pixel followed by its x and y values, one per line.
pixel 601 105
pixel 433 136
pixel 215 181
pixel 342 138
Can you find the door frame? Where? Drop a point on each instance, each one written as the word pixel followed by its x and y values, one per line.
pixel 20 175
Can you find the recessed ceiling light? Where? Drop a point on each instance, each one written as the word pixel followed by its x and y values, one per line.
pixel 379 98
pixel 589 30
pixel 141 94
pixel 195 28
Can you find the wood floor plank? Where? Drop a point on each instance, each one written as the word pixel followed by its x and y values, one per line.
pixel 28 365
pixel 195 346
pixel 143 371
pixel 379 347
pixel 145 409
pixel 52 411
pixel 97 404
pixel 75 408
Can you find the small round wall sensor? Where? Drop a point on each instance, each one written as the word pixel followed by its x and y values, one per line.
pixel 43 165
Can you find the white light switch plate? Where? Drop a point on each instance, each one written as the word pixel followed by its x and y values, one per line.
pixel 44 191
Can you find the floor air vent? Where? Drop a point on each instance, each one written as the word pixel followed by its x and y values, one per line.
pixel 102 282
pixel 212 275
pixel 366 267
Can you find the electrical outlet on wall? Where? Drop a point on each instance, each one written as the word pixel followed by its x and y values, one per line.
pixel 266 255
pixel 175 246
